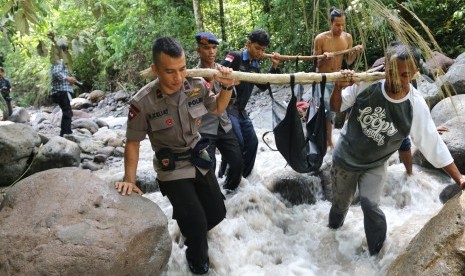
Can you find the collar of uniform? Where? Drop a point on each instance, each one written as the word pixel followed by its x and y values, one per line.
pixel 160 94
pixel 253 62
pixel 215 65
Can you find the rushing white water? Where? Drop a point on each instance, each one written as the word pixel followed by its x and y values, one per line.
pixel 262 235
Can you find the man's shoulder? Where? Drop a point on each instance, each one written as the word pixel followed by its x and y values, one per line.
pixel 146 91
pixel 346 35
pixel 231 55
pixel 323 35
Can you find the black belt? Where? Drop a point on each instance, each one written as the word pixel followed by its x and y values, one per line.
pixel 186 155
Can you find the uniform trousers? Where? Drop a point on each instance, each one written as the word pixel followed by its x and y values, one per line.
pixel 227 144
pixel 61 98
pixel 247 138
pixel 198 206
pixel 370 183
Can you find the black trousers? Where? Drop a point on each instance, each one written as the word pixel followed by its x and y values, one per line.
pixel 230 151
pixel 61 98
pixel 198 206
pixel 8 104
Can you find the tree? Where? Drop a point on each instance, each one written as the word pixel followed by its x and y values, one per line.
pixel 198 15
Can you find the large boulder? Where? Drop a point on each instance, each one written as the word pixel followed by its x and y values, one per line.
pixel 58 152
pixel 453 82
pixel 20 115
pixel 453 138
pixel 70 222
pixel 18 144
pixel 430 90
pixel 438 64
pixel 439 248
pixel 448 108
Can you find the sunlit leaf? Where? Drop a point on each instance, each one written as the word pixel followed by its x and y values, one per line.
pixel 29 11
pixel 21 22
pixel 6 7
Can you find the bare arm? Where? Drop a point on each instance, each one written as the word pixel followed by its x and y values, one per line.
pixel 131 159
pixel 454 172
pixel 406 158
pixel 318 49
pixel 350 57
pixel 335 100
pixel 226 82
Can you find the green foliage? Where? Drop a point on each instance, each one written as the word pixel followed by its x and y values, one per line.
pixel 29 78
pixel 110 40
pixel 445 20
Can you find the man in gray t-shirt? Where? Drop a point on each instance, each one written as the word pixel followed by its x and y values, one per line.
pixel 383 113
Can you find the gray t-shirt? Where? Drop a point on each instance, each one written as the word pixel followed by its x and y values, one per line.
pixel 377 125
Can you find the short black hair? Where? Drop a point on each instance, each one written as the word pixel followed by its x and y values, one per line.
pixel 333 13
pixel 167 45
pixel 399 50
pixel 1 69
pixel 259 36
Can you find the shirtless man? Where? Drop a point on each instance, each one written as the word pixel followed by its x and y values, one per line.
pixel 327 43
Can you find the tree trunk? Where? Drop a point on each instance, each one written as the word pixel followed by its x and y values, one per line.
pixel 198 15
pixel 223 24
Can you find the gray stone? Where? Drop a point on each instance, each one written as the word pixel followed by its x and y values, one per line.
pixel 18 143
pixel 447 109
pixel 297 188
pixel 57 153
pixel 70 222
pixel 438 249
pixel 453 138
pixel 88 124
pixel 20 115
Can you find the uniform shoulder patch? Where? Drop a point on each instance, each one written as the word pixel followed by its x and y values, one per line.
pixel 207 84
pixel 133 111
pixel 229 58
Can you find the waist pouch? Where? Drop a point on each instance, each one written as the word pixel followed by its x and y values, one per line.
pixel 200 156
pixel 166 159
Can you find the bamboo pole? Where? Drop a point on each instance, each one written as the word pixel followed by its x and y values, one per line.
pixel 284 57
pixel 301 77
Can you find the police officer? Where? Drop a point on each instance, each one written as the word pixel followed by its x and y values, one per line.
pixel 218 129
pixel 5 89
pixel 169 110
pixel 248 61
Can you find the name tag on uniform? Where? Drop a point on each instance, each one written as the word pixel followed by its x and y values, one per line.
pixel 158 114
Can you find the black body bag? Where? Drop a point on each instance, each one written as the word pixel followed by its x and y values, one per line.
pixel 303 145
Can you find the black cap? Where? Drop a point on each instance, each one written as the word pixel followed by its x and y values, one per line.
pixel 206 38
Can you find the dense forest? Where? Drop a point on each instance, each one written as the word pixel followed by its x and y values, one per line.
pixel 110 40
